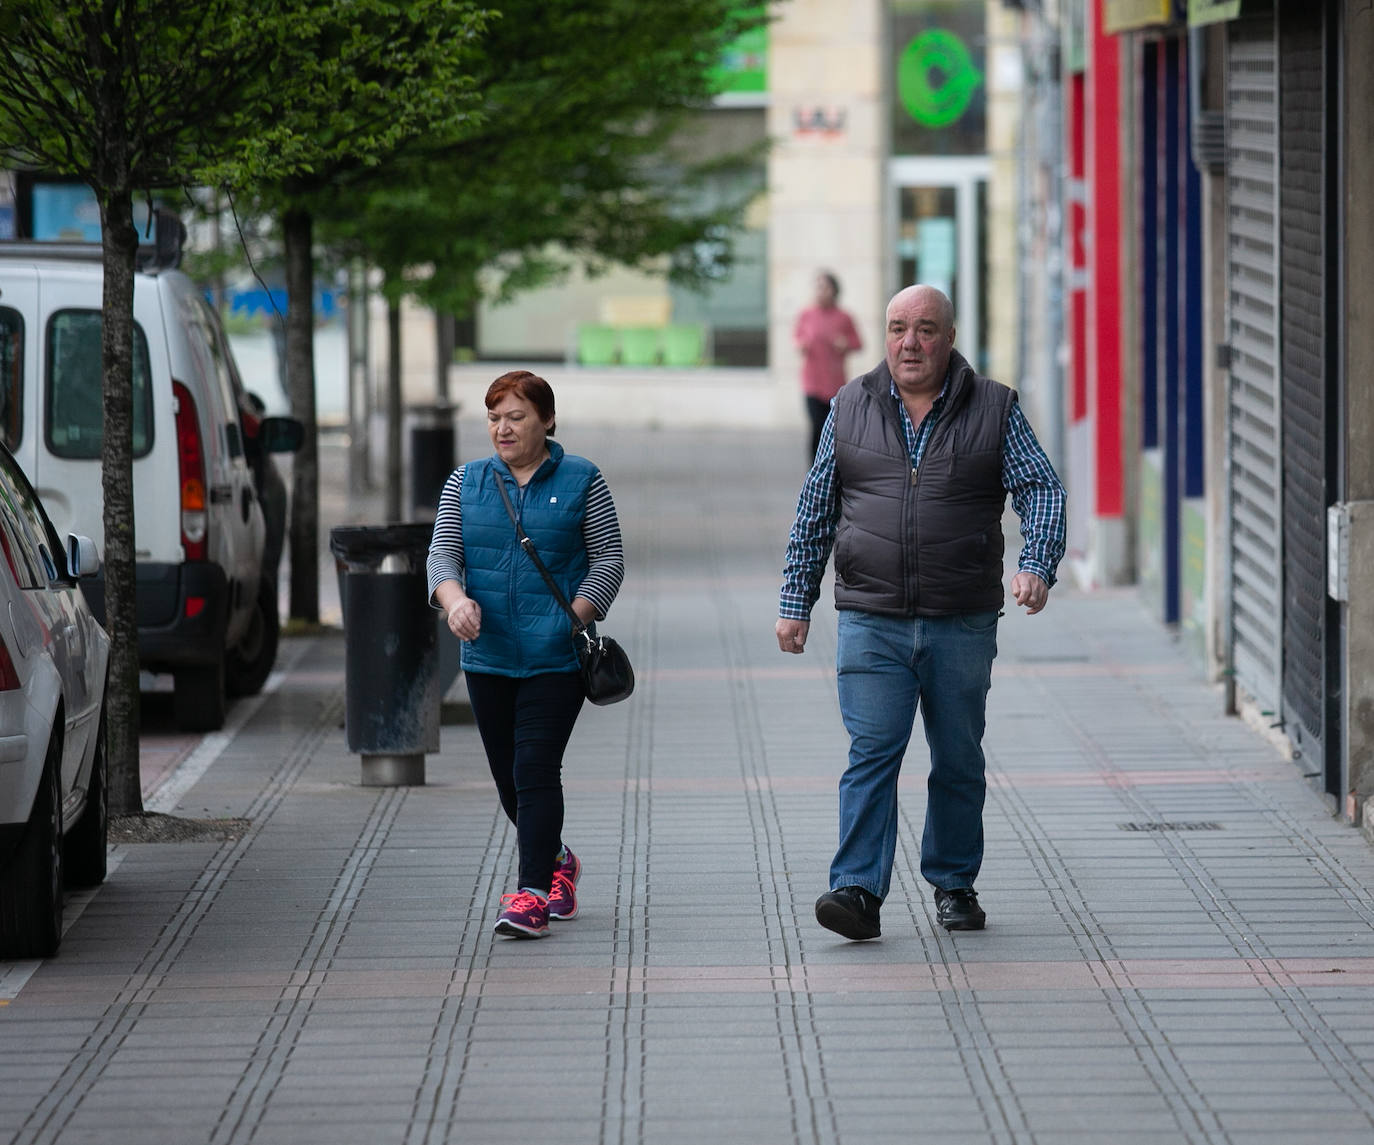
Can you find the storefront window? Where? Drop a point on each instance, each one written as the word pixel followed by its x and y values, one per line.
pixel 927 237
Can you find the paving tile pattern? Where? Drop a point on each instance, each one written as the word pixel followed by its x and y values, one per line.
pixel 1179 946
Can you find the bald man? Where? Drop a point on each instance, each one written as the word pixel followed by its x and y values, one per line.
pixel 908 488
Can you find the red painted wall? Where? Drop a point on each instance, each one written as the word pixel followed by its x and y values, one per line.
pixel 1104 297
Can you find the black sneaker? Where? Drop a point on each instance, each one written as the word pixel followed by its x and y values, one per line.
pixel 851 912
pixel 959 909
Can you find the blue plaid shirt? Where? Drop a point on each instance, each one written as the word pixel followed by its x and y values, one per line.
pixel 1036 494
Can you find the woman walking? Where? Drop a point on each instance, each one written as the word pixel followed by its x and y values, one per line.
pixel 518 652
pixel 825 335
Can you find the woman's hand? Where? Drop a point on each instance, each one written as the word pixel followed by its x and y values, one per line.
pixel 465 618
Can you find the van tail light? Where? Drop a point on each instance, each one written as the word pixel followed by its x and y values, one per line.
pixel 191 466
pixel 9 678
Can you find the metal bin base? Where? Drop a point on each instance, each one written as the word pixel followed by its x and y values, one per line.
pixel 394 770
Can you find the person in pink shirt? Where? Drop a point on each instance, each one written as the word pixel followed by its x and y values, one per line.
pixel 824 335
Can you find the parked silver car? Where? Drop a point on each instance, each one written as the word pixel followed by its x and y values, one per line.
pixel 53 659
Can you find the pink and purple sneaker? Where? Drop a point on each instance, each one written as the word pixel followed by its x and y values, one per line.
pixel 568 865
pixel 562 898
pixel 524 914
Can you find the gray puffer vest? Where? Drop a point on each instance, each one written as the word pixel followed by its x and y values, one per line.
pixel 926 541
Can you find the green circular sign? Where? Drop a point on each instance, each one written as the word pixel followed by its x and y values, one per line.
pixel 936 78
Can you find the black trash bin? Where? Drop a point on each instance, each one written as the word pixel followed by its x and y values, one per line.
pixel 433 454
pixel 391 658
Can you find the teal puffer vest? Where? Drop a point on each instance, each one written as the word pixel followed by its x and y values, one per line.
pixel 524 631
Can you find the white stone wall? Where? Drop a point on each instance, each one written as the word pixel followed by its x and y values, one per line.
pixel 827 188
pixel 1003 75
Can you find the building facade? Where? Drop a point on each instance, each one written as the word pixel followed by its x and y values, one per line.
pixel 1215 340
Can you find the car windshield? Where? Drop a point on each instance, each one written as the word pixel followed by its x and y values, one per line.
pixel 75 427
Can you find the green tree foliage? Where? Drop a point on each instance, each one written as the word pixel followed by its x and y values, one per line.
pixel 583 151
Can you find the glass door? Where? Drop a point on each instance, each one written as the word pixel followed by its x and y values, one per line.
pixel 938 226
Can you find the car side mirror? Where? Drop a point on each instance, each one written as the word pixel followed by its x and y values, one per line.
pixel 280 435
pixel 82 557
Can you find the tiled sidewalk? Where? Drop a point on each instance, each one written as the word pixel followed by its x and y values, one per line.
pixel 1179 943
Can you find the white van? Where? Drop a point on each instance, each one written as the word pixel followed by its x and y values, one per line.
pixel 207 605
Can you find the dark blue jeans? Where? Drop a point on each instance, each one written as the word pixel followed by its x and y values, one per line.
pixel 886 666
pixel 525 724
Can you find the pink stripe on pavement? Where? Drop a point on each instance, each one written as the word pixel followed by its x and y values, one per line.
pixel 1108 975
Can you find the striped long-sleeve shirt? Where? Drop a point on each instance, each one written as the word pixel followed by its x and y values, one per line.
pixel 1037 496
pixel 600 533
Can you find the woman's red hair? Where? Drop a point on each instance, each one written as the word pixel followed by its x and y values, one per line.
pixel 531 387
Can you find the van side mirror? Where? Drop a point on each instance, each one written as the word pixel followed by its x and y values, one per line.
pixel 280 435
pixel 82 557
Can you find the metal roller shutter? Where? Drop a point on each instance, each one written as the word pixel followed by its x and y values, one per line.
pixel 1302 126
pixel 1255 487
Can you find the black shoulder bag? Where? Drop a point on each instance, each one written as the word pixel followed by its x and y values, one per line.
pixel 607 677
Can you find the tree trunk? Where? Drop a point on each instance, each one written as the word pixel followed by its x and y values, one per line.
pixel 120 241
pixel 444 325
pixel 300 383
pixel 359 401
pixel 393 411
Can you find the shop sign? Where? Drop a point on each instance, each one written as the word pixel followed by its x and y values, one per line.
pixel 939 86
pixel 936 78
pixel 1125 15
pixel 813 121
pixel 1202 12
pixel 743 67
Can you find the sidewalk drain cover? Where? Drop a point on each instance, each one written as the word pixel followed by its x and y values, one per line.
pixel 1199 825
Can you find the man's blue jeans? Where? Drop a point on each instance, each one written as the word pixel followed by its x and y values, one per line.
pixel 886 666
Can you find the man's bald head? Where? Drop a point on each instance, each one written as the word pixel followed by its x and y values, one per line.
pixel 927 296
pixel 919 338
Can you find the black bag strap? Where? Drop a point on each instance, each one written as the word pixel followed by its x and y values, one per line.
pixel 579 628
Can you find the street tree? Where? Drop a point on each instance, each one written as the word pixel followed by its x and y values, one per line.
pixel 400 75
pixel 133 96
pixel 130 96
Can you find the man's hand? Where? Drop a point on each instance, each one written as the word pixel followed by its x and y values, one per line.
pixel 1030 592
pixel 792 634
